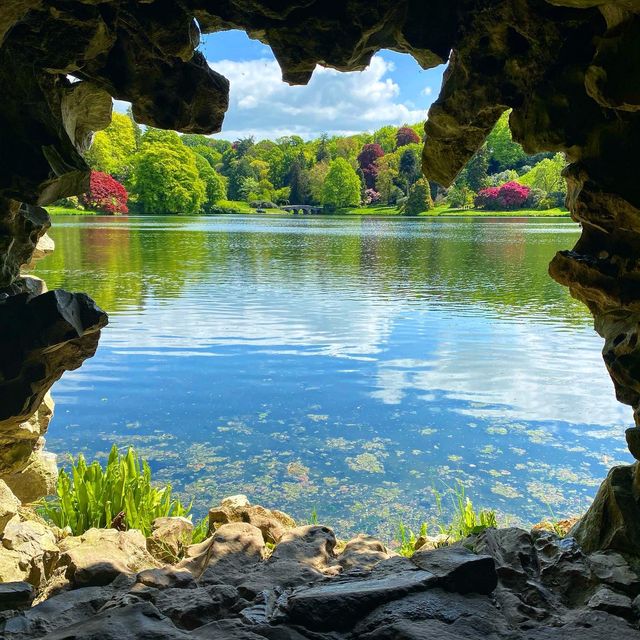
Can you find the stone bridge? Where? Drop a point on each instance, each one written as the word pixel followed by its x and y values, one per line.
pixel 302 208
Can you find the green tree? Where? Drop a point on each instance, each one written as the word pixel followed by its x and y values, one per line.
pixel 504 152
pixel 166 178
pixel 342 186
pixel 547 175
pixel 113 148
pixel 409 166
pixel 386 138
pixel 475 172
pixel 419 198
pixel 215 186
pixel 299 181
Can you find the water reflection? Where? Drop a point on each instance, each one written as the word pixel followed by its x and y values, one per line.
pixel 341 364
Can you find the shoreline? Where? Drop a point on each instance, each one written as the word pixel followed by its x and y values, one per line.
pixel 382 212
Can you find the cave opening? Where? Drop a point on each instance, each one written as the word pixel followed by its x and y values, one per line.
pixel 555 64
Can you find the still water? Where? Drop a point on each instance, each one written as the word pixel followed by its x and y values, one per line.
pixel 347 366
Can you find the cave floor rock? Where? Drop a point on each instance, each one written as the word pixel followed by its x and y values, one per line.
pixel 506 584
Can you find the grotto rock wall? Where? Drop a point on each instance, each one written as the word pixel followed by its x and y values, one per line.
pixel 569 70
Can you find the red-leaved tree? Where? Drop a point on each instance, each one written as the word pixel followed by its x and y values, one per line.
pixel 105 194
pixel 511 195
pixel 406 135
pixel 367 161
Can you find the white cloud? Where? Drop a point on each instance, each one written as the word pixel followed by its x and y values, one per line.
pixel 333 102
pixel 427 91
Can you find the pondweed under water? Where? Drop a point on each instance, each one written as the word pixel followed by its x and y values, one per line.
pixel 346 364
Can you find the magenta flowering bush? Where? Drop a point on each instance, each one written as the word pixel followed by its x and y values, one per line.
pixel 371 196
pixel 510 195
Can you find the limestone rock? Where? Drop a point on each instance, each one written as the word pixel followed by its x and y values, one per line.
pixel 272 523
pixel 169 538
pixel 37 479
pixel 40 338
pixel 362 552
pixel 59 611
pixel 613 520
pixel 133 622
pixel 167 578
pixel 339 604
pixel 227 555
pixel 99 556
pixel 605 599
pixel 312 545
pixel 458 569
pixel 8 505
pixel 15 595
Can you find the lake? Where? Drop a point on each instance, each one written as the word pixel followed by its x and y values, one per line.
pixel 347 366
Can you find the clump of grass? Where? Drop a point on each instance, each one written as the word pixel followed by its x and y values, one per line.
pixel 407 539
pixel 120 496
pixel 465 521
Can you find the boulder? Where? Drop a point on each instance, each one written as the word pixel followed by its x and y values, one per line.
pixel 613 520
pixel 15 595
pixel 617 604
pixel 98 556
pixel 37 479
pixel 9 505
pixel 167 578
pixel 136 621
pixel 362 552
pixel 227 555
pixel 339 604
pixel 311 545
pixel 610 568
pixel 272 523
pixel 458 569
pixel 169 538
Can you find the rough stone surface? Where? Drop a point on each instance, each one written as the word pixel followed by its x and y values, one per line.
pixel 9 505
pixel 613 520
pixel 169 538
pixel 543 588
pixel 15 595
pixel 272 523
pixel 458 569
pixel 99 556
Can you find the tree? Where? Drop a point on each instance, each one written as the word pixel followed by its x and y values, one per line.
pixel 113 148
pixel 367 162
pixel 299 181
pixel 510 195
pixel 322 152
pixel 317 176
pixel 166 178
pixel 475 172
pixel 409 166
pixel 386 138
pixel 215 186
pixel 504 152
pixel 419 198
pixel 406 135
pixel 105 194
pixel 341 187
pixel 547 175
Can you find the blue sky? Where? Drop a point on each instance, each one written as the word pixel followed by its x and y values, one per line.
pixel 393 90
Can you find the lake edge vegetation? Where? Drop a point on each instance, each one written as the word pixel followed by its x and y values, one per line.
pixel 152 171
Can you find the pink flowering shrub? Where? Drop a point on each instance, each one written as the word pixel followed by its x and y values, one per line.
pixel 371 196
pixel 511 195
pixel 105 194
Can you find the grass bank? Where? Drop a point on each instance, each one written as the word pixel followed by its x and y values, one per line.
pixel 459 213
pixel 238 207
pixel 67 211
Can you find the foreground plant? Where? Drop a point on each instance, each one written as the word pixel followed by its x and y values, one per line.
pixel 465 521
pixel 120 496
